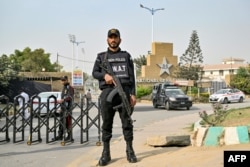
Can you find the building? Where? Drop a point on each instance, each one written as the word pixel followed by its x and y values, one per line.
pixel 222 72
pixel 161 63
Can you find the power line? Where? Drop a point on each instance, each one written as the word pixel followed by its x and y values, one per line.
pixel 75 59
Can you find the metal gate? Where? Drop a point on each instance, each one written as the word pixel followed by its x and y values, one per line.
pixel 83 116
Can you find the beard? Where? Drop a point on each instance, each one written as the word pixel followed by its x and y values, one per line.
pixel 114 45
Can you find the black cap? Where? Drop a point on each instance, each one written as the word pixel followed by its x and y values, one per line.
pixel 113 31
pixel 64 78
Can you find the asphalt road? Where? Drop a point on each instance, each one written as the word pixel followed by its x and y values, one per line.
pixel 41 154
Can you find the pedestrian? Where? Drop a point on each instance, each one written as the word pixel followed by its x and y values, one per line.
pixel 89 97
pixel 66 101
pixel 123 67
pixel 23 104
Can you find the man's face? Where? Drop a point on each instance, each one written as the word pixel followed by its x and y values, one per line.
pixel 114 41
pixel 64 81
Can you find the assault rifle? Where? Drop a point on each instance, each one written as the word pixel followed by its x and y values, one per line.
pixel 118 89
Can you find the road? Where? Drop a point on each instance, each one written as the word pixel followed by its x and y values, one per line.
pixel 53 154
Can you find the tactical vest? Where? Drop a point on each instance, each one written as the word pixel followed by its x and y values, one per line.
pixel 119 64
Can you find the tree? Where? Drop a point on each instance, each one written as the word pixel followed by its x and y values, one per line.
pixel 241 79
pixel 139 62
pixel 33 61
pixel 193 54
pixel 8 70
pixel 190 62
pixel 26 61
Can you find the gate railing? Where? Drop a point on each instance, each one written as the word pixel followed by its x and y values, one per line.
pixel 83 116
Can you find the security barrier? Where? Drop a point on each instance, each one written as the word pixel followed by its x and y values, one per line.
pixel 13 120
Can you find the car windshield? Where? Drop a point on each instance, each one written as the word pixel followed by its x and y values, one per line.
pixel 222 91
pixel 174 92
pixel 169 86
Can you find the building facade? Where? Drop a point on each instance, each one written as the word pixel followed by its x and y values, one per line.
pixel 161 64
pixel 223 71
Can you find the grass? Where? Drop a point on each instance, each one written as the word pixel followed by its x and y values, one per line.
pixel 232 117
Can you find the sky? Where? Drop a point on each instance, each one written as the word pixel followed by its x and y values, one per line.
pixel 223 27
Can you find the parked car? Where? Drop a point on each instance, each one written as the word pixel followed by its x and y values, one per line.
pixel 44 97
pixel 170 96
pixel 227 95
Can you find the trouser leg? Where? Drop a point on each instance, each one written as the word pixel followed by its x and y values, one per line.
pixel 127 127
pixel 60 129
pixel 107 114
pixel 69 128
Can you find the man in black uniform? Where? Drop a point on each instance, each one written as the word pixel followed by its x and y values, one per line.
pixel 66 103
pixel 122 65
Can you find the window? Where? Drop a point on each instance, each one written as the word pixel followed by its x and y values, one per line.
pixel 221 72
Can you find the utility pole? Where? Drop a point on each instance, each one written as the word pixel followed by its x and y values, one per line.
pixel 57 68
pixel 152 11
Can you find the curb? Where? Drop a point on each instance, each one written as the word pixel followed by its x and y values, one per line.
pixel 215 136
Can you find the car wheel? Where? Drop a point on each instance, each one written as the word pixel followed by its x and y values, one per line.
pixel 225 101
pixel 154 104
pixel 241 100
pixel 188 108
pixel 167 106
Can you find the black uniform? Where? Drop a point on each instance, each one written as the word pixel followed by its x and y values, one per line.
pixel 67 95
pixel 123 67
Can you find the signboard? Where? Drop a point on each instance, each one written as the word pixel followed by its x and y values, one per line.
pixel 185 82
pixel 77 77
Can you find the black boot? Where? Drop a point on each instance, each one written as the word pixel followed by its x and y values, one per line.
pixel 105 158
pixel 130 153
pixel 69 138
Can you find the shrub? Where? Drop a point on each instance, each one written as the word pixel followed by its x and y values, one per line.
pixel 220 113
pixel 143 91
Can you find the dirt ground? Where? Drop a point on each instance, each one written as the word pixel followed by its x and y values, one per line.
pixel 149 156
pixel 190 156
pixel 177 157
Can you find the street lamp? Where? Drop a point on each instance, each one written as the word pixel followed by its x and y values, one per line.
pixel 152 11
pixel 72 39
pixel 77 53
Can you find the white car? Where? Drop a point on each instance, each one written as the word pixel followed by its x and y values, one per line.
pixel 227 95
pixel 44 96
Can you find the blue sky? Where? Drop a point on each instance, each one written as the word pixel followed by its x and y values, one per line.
pixel 223 27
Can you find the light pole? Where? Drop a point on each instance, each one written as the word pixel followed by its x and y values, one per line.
pixel 72 39
pixel 231 71
pixel 77 53
pixel 152 11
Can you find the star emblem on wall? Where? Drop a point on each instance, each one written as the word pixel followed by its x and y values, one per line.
pixel 164 66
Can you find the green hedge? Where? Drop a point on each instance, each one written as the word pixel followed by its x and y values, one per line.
pixel 143 91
